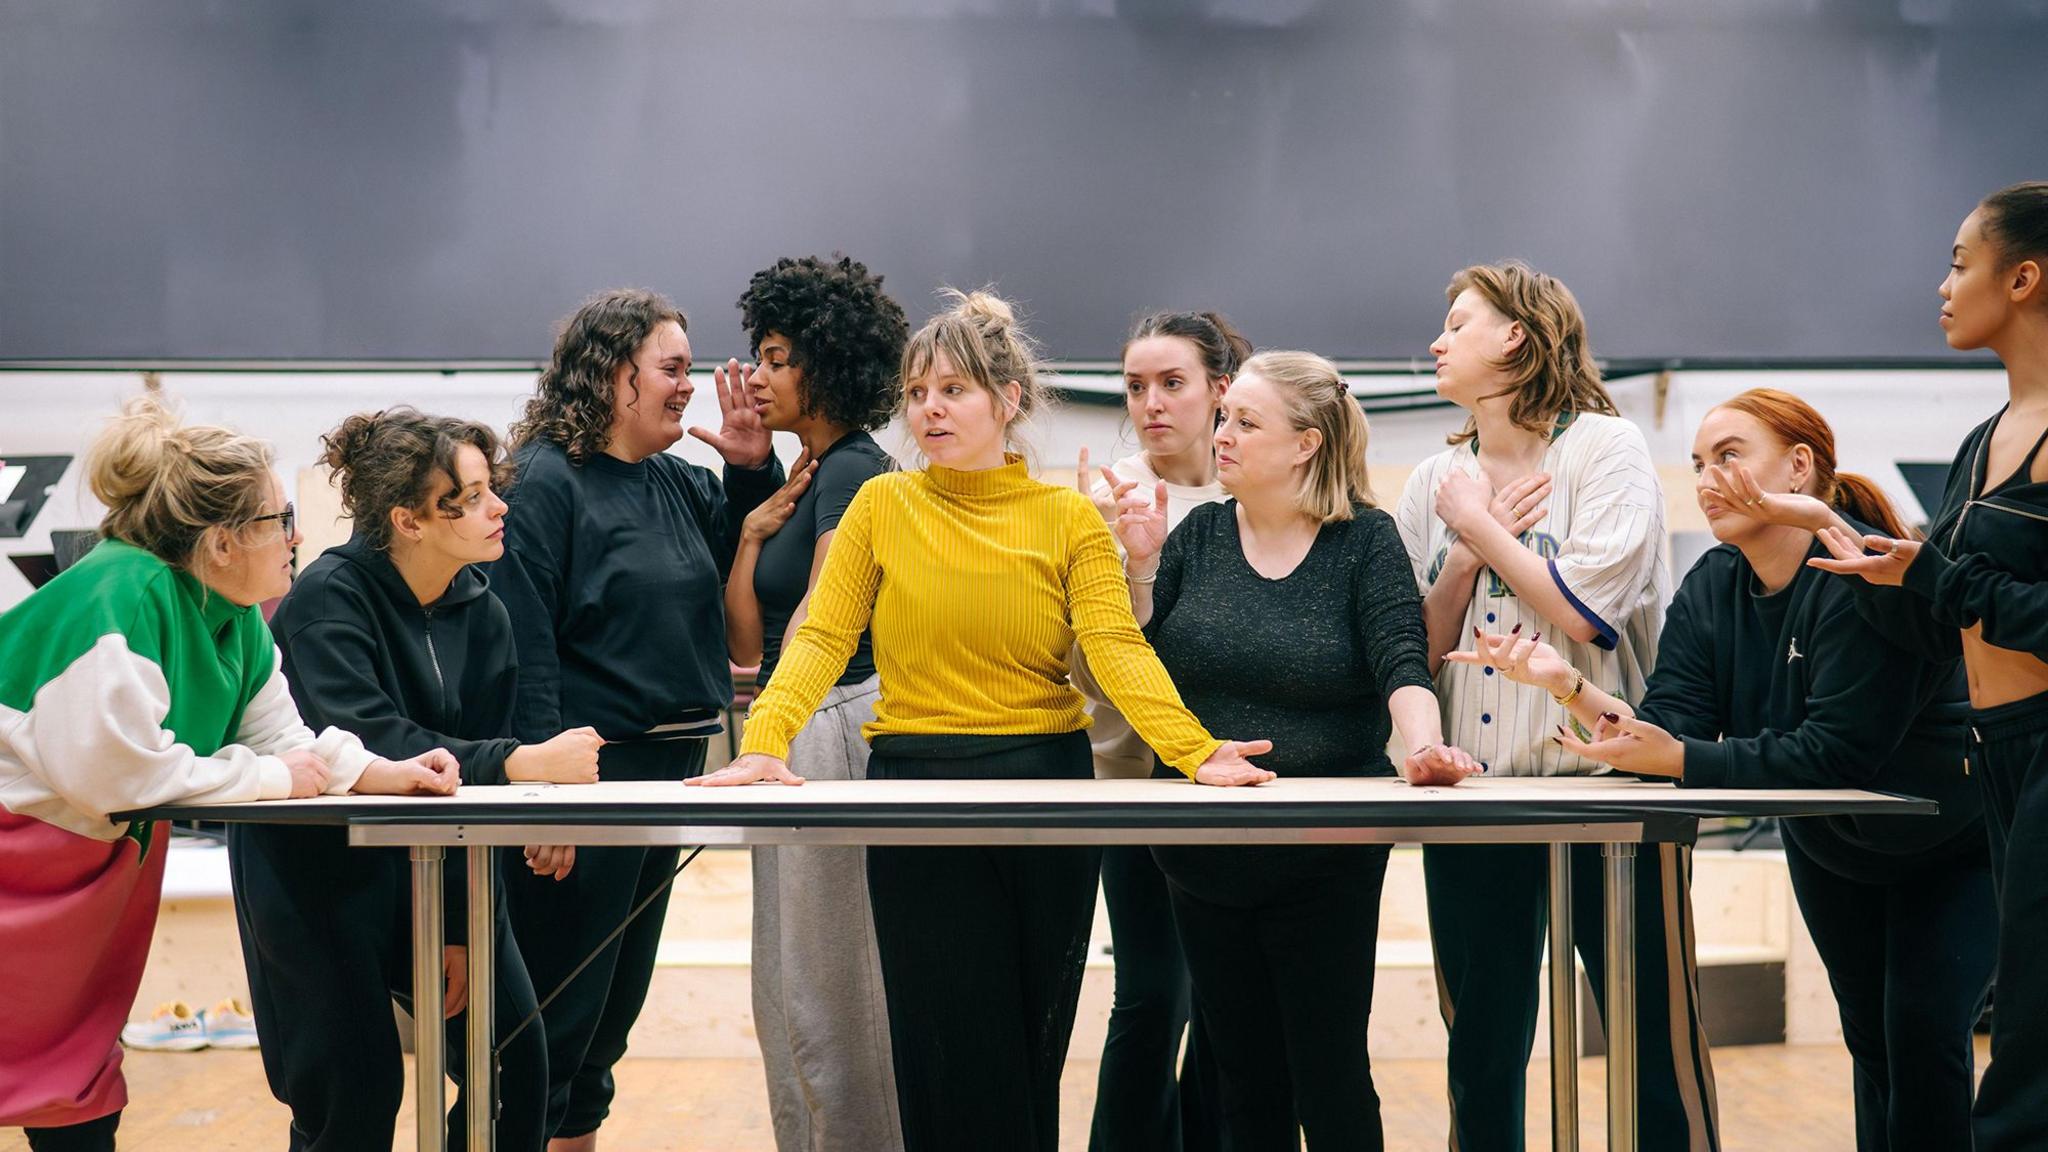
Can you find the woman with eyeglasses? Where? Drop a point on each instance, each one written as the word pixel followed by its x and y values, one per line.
pixel 141 676
pixel 394 635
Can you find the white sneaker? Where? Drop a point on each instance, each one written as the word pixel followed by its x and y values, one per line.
pixel 229 1025
pixel 173 1027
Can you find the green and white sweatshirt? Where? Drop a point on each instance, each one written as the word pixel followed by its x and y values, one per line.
pixel 126 684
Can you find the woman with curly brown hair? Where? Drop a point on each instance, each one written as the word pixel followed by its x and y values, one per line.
pixel 827 340
pixel 615 557
pixel 393 635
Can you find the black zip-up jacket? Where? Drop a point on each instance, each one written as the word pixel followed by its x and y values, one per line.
pixel 1985 561
pixel 614 574
pixel 1796 690
pixel 361 653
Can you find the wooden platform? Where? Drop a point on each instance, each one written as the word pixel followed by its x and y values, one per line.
pixel 1773 1097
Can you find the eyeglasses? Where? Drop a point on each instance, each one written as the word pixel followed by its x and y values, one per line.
pixel 288 519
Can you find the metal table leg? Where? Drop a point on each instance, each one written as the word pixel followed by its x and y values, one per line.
pixel 1620 860
pixel 1564 1007
pixel 430 1068
pixel 480 1089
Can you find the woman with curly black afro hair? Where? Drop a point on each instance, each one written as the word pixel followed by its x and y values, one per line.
pixel 828 342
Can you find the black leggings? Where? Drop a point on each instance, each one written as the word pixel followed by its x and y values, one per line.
pixel 91 1136
pixel 982 953
pixel 1142 1104
pixel 1909 962
pixel 1281 944
pixel 2009 754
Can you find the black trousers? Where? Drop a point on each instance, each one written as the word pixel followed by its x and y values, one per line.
pixel 2009 753
pixel 1148 1096
pixel 327 940
pixel 559 923
pixel 91 1136
pixel 1281 944
pixel 1489 915
pixel 982 953
pixel 1910 962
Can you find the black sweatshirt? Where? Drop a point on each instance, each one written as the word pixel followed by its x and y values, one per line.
pixel 1796 690
pixel 362 654
pixel 614 575
pixel 1306 661
pixel 1985 561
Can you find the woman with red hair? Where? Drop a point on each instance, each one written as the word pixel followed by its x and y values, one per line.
pixel 1767 677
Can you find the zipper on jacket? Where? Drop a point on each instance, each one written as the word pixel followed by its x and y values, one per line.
pixel 435 659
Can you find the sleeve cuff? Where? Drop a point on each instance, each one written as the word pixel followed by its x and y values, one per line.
pixel 346 759
pixel 1189 764
pixel 1706 764
pixel 756 742
pixel 1605 637
pixel 273 779
pixel 1923 575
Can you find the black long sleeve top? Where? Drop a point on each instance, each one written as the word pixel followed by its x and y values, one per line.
pixel 1796 690
pixel 1307 661
pixel 614 575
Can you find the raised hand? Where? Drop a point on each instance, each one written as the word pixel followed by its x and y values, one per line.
pixel 1627 744
pixel 748 769
pixel 309 773
pixel 1230 766
pixel 1734 488
pixel 1523 659
pixel 1103 499
pixel 1888 566
pixel 1141 524
pixel 431 773
pixel 771 514
pixel 742 439
pixel 1438 765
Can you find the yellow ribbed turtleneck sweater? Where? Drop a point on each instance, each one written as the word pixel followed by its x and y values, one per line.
pixel 976 587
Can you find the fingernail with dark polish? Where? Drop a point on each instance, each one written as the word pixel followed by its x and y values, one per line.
pixel 1515 631
pixel 1610 717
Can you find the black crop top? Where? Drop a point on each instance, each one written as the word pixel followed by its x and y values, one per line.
pixel 1985 562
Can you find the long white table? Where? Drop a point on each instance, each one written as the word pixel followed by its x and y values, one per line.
pixel 1619 815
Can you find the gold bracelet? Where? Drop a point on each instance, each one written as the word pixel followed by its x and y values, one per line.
pixel 1578 686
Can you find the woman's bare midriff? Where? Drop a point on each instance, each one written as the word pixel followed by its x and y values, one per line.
pixel 2000 675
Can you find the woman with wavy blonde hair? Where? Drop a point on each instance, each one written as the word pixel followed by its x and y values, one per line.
pixel 976 582
pixel 143 675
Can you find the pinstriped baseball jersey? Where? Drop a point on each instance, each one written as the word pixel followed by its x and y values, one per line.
pixel 1603 535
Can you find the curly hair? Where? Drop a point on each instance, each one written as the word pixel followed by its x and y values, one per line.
pixel 385 460
pixel 572 406
pixel 845 334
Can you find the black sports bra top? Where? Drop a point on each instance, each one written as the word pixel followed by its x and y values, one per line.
pixel 2007 524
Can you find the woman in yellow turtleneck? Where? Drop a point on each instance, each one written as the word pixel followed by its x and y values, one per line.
pixel 976 581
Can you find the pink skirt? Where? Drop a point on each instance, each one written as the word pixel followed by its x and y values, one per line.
pixel 76 916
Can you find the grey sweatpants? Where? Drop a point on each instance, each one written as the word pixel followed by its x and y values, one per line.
pixel 818 1005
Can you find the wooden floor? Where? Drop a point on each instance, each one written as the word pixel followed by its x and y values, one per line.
pixel 1772 1098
